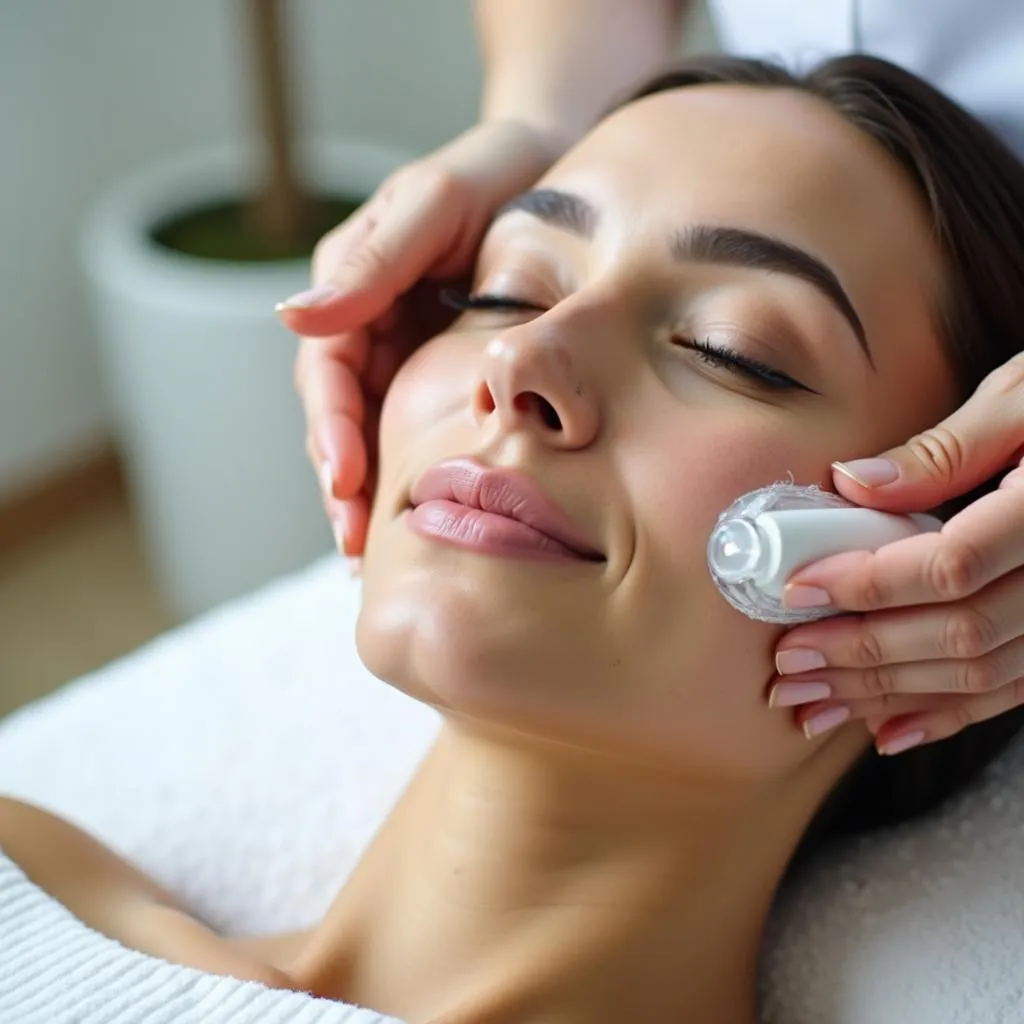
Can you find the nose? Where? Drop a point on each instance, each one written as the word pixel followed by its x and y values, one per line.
pixel 531 381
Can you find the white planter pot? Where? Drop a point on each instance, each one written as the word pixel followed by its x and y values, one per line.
pixel 200 377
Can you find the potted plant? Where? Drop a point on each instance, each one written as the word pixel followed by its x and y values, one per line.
pixel 185 261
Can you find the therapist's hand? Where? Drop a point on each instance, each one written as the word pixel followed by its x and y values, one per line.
pixel 941 642
pixel 369 307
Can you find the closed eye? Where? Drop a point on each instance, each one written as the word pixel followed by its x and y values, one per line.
pixel 752 369
pixel 463 302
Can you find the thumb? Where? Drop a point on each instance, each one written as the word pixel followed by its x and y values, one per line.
pixel 982 437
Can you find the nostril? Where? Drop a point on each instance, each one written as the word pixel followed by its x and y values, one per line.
pixel 530 401
pixel 485 400
pixel 549 415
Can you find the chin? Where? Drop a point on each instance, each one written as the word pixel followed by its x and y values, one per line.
pixel 475 637
pixel 438 638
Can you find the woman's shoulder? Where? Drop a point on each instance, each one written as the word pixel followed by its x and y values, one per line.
pixel 113 897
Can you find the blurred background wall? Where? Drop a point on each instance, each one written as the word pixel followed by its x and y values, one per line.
pixel 90 92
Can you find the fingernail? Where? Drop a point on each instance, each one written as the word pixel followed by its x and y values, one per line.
pixel 310 297
pixel 869 472
pixel 343 531
pixel 796 596
pixel 825 720
pixel 327 479
pixel 798 659
pixel 788 695
pixel 355 567
pixel 901 743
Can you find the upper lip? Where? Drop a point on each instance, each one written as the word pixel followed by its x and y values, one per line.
pixel 504 493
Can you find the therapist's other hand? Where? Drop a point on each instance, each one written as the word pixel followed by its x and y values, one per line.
pixel 941 642
pixel 370 305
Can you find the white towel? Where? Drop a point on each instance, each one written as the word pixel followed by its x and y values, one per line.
pixel 246 760
pixel 54 970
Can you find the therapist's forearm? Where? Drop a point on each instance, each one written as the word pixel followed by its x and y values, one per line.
pixel 557 64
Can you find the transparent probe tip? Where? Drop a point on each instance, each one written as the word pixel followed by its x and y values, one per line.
pixel 735 550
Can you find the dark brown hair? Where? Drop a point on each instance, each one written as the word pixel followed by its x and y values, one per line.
pixel 973 188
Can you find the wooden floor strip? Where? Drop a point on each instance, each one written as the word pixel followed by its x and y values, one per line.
pixel 37 511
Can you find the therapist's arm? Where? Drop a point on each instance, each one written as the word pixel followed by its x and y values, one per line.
pixel 557 64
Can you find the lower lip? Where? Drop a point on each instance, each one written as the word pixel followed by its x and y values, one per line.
pixel 486 533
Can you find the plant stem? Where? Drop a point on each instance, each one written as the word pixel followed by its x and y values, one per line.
pixel 280 210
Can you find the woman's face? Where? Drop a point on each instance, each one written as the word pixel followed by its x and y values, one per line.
pixel 753 221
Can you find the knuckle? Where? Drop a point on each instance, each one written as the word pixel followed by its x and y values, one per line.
pixel 982 675
pixel 939 451
pixel 866 651
pixel 364 260
pixel 954 570
pixel 879 681
pixel 872 593
pixel 440 184
pixel 967 633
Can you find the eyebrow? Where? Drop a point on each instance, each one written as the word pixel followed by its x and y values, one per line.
pixel 704 243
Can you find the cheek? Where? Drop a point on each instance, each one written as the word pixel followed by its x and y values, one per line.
pixel 708 664
pixel 434 384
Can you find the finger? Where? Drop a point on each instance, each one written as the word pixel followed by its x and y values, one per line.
pixel 985 541
pixel 928 725
pixel 964 629
pixel 299 311
pixel 354 520
pixel 984 435
pixel 318 358
pixel 332 398
pixel 416 230
pixel 821 717
pixel 969 677
pixel 341 475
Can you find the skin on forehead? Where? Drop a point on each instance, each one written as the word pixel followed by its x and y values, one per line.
pixel 777 161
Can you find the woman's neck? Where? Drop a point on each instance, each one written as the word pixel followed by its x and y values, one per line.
pixel 521 883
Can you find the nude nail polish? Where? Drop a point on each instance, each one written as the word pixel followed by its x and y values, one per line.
pixel 788 695
pixel 825 720
pixel 901 743
pixel 798 659
pixel 317 296
pixel 327 479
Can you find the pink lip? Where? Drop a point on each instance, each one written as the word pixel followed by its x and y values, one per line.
pixel 493 511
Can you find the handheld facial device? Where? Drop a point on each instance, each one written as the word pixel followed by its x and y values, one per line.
pixel 763 537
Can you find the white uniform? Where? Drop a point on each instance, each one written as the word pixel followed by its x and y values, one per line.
pixel 973 50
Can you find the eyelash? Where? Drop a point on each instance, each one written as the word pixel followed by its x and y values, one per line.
pixel 715 355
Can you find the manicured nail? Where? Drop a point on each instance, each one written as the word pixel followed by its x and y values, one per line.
pixel 327 479
pixel 869 472
pixel 343 531
pixel 788 695
pixel 355 567
pixel 798 659
pixel 310 297
pixel 796 596
pixel 338 528
pixel 901 743
pixel 825 720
